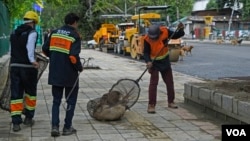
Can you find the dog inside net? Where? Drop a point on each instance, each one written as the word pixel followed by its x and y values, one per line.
pixel 112 105
pixel 6 93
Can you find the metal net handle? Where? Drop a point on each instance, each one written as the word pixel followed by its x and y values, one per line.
pixel 75 83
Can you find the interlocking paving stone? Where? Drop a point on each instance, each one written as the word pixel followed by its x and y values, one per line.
pixel 136 125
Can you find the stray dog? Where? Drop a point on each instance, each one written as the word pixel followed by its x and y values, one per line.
pixel 187 49
pixel 220 41
pixel 236 41
pixel 111 107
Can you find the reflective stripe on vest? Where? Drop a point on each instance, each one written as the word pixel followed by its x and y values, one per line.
pixel 61 43
pixel 161 57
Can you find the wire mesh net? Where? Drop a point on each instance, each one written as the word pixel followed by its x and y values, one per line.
pixel 5 97
pixel 129 88
pixel 92 105
pixel 6 94
pixel 43 63
pixel 112 105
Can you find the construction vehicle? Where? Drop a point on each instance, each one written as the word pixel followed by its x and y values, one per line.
pixel 122 40
pixel 135 35
pixel 107 35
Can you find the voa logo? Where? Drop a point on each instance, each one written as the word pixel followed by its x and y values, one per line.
pixel 236 132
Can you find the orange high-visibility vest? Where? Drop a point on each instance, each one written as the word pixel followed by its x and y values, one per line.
pixel 157 45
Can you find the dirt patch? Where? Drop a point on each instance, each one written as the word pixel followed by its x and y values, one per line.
pixel 238 89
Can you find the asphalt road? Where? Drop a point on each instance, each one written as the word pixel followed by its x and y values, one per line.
pixel 213 61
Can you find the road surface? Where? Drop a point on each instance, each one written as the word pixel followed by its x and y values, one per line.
pixel 213 61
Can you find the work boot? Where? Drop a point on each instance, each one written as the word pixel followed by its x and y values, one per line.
pixel 55 131
pixel 151 108
pixel 28 121
pixel 68 131
pixel 16 127
pixel 172 105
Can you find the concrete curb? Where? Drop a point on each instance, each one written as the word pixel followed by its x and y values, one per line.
pixel 218 102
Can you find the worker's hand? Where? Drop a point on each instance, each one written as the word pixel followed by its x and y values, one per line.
pixel 180 26
pixel 149 65
pixel 150 70
pixel 81 69
pixel 35 64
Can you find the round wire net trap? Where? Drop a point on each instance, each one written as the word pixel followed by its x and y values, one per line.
pixel 112 105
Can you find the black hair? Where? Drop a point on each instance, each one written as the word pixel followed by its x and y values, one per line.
pixel 71 18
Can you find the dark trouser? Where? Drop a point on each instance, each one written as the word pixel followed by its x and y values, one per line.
pixel 57 93
pixel 23 81
pixel 167 77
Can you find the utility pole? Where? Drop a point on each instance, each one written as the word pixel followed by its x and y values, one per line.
pixel 125 10
pixel 137 5
pixel 177 10
pixel 230 19
pixel 234 7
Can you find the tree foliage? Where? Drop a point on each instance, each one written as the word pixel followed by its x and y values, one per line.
pixel 90 10
pixel 246 9
pixel 53 14
pixel 212 4
pixel 112 6
pixel 17 8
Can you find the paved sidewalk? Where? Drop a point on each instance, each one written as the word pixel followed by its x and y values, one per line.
pixel 137 125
